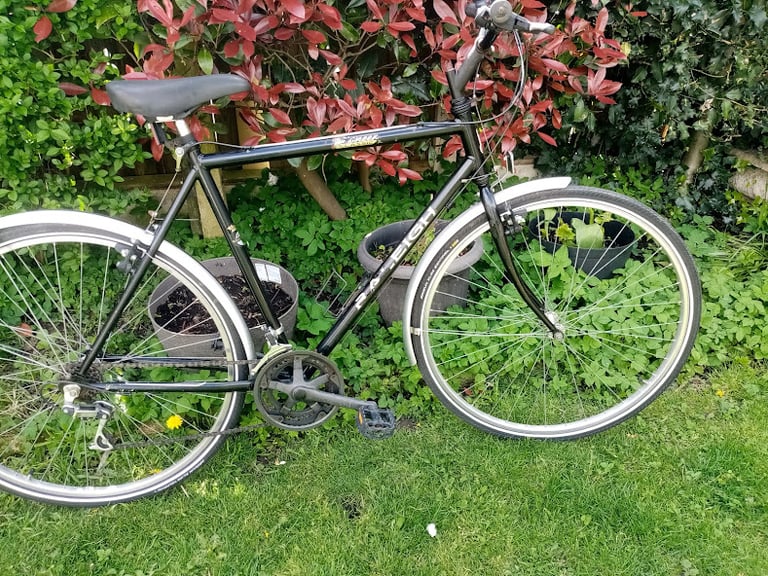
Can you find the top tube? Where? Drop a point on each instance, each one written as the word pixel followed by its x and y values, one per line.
pixel 332 143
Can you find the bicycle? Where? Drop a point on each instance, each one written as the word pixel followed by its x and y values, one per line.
pixel 94 410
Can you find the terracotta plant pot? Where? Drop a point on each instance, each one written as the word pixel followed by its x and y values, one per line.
pixel 391 298
pixel 209 344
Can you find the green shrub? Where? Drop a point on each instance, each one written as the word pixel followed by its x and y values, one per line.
pixel 695 67
pixel 734 281
pixel 58 146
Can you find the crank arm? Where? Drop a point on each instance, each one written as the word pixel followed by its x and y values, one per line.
pixel 306 393
pixel 372 422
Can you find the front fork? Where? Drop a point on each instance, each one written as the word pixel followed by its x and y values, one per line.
pixel 500 221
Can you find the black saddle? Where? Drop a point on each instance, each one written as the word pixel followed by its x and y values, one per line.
pixel 173 98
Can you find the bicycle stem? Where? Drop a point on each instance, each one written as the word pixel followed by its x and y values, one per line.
pixel 457 79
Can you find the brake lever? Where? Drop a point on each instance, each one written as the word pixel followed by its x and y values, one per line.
pixel 540 27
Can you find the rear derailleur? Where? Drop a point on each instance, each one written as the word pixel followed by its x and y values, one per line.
pixel 98 409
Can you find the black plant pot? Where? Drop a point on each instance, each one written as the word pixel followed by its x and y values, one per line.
pixel 598 262
pixel 453 289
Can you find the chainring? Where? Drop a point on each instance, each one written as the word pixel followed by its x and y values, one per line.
pixel 272 384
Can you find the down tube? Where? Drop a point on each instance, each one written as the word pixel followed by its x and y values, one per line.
pixel 362 297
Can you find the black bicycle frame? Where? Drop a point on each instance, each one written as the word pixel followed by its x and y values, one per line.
pixel 202 164
pixel 200 171
pixel 471 167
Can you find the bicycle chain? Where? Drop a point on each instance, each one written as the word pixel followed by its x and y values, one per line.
pixel 212 363
pixel 217 363
pixel 188 437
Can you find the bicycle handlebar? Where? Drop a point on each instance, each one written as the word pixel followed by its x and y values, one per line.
pixel 491 16
pixel 499 14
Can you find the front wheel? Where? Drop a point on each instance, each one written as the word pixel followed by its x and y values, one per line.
pixel 626 314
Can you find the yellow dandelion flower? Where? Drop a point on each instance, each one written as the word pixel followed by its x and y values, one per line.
pixel 174 422
pixel 720 393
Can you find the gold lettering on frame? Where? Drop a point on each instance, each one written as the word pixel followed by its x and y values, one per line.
pixel 353 141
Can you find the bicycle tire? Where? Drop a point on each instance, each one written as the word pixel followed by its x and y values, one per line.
pixel 58 280
pixel 626 336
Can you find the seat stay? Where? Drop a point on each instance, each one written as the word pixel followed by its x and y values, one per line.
pixel 139 259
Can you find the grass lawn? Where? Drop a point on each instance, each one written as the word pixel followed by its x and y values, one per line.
pixel 680 490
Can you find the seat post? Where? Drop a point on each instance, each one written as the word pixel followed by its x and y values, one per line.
pixel 182 127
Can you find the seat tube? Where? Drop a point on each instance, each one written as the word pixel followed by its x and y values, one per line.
pixel 237 247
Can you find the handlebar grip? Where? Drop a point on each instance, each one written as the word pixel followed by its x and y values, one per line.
pixel 541 28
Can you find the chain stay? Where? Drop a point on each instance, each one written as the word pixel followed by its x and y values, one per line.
pixel 258 362
pixel 212 363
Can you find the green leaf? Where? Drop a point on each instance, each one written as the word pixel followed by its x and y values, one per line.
pixel 410 70
pixel 757 15
pixel 542 258
pixel 205 61
pixel 314 162
pixel 59 134
pixel 580 111
pixel 588 235
pixel 565 233
pixel 108 14
pixel 349 32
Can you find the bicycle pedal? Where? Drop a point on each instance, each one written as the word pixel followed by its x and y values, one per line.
pixel 375 423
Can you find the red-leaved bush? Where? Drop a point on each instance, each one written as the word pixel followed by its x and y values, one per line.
pixel 319 68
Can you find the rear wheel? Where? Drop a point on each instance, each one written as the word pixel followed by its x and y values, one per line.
pixel 628 316
pixel 60 276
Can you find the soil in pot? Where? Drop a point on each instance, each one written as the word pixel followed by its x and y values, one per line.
pixel 183 314
pixel 194 341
